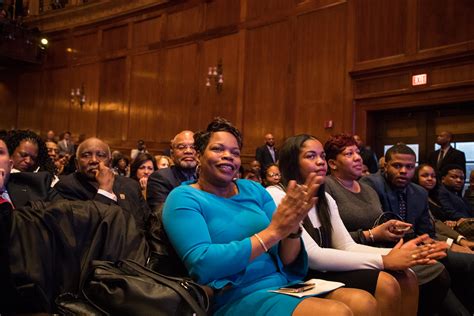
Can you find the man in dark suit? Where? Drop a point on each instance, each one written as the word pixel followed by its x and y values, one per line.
pixel 454 206
pixel 21 187
pixel 267 154
pixel 446 155
pixel 162 181
pixel 399 195
pixel 65 145
pixel 95 180
pixel 368 156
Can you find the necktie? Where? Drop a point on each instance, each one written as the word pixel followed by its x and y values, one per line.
pixel 272 153
pixel 402 205
pixel 440 158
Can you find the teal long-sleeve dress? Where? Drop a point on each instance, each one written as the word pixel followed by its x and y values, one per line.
pixel 211 234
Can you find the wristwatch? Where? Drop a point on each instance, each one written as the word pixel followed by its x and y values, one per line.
pixel 296 235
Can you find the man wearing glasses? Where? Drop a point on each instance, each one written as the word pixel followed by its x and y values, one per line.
pixel 162 181
pixel 95 180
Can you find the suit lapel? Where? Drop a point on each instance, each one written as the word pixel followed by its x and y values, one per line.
pixel 122 198
pixel 19 194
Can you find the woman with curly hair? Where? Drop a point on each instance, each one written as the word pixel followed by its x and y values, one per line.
pixel 28 152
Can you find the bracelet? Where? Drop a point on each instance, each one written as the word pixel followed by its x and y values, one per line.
pixel 260 240
pixel 371 236
pixel 296 235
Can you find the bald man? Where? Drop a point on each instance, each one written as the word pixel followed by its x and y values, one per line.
pixel 162 181
pixel 95 180
pixel 446 155
pixel 267 154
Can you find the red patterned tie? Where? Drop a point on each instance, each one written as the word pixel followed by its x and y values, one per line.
pixel 3 200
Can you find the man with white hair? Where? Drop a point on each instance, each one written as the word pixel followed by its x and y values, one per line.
pixel 95 180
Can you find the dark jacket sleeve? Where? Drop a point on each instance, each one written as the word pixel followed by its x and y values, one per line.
pixel 450 210
pixel 157 190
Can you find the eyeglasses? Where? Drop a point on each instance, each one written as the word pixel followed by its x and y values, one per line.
pixel 184 147
pixel 274 175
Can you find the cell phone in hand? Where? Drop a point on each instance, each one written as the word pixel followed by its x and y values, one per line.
pixel 298 287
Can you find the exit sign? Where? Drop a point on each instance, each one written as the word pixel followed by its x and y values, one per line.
pixel 418 80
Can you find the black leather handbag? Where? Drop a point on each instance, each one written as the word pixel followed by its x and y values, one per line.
pixel 128 288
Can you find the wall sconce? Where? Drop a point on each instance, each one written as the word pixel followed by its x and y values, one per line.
pixel 78 96
pixel 215 75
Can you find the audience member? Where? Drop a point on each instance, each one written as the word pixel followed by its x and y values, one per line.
pixel 254 173
pixel 28 152
pixel 381 164
pixel 53 150
pixel 121 165
pixel 368 156
pixel 50 136
pixel 141 168
pixel 141 149
pixel 65 144
pixel 331 251
pixel 231 238
pixel 267 154
pixel 399 195
pixel 163 161
pixel 469 194
pixel 446 155
pixel 365 171
pixel 272 175
pixel 425 176
pixel 22 187
pixel 95 180
pixel 454 206
pixel 162 181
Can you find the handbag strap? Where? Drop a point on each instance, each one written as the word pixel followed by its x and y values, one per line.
pixel 168 281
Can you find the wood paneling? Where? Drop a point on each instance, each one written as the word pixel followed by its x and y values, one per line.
pixel 56 103
pixel 112 109
pixel 211 102
pixel 85 45
pixel 320 68
pixel 257 8
pixel 57 52
pixel 185 23
pixel 145 91
pixel 147 31
pixel 380 28
pixel 221 13
pixel 266 82
pixel 83 119
pixel 8 101
pixel 179 101
pixel 115 38
pixel 445 22
pixel 30 104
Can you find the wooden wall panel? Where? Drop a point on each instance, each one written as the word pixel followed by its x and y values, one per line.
pixel 56 100
pixel 30 100
pixel 185 23
pixel 380 28
pixel 266 83
pixel 112 108
pixel 57 52
pixel 221 13
pixel 144 98
pixel 179 101
pixel 115 38
pixel 147 31
pixel 257 8
pixel 212 102
pixel 83 119
pixel 85 45
pixel 320 71
pixel 8 101
pixel 445 22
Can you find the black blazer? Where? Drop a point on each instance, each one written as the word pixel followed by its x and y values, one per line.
pixel 452 157
pixel 263 156
pixel 23 187
pixel 76 186
pixel 160 183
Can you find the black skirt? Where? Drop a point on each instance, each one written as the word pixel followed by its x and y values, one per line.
pixel 358 279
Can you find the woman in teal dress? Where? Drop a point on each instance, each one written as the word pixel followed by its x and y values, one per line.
pixel 232 238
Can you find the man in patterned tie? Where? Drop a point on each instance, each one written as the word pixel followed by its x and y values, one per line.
pixel 446 155
pixel 399 195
